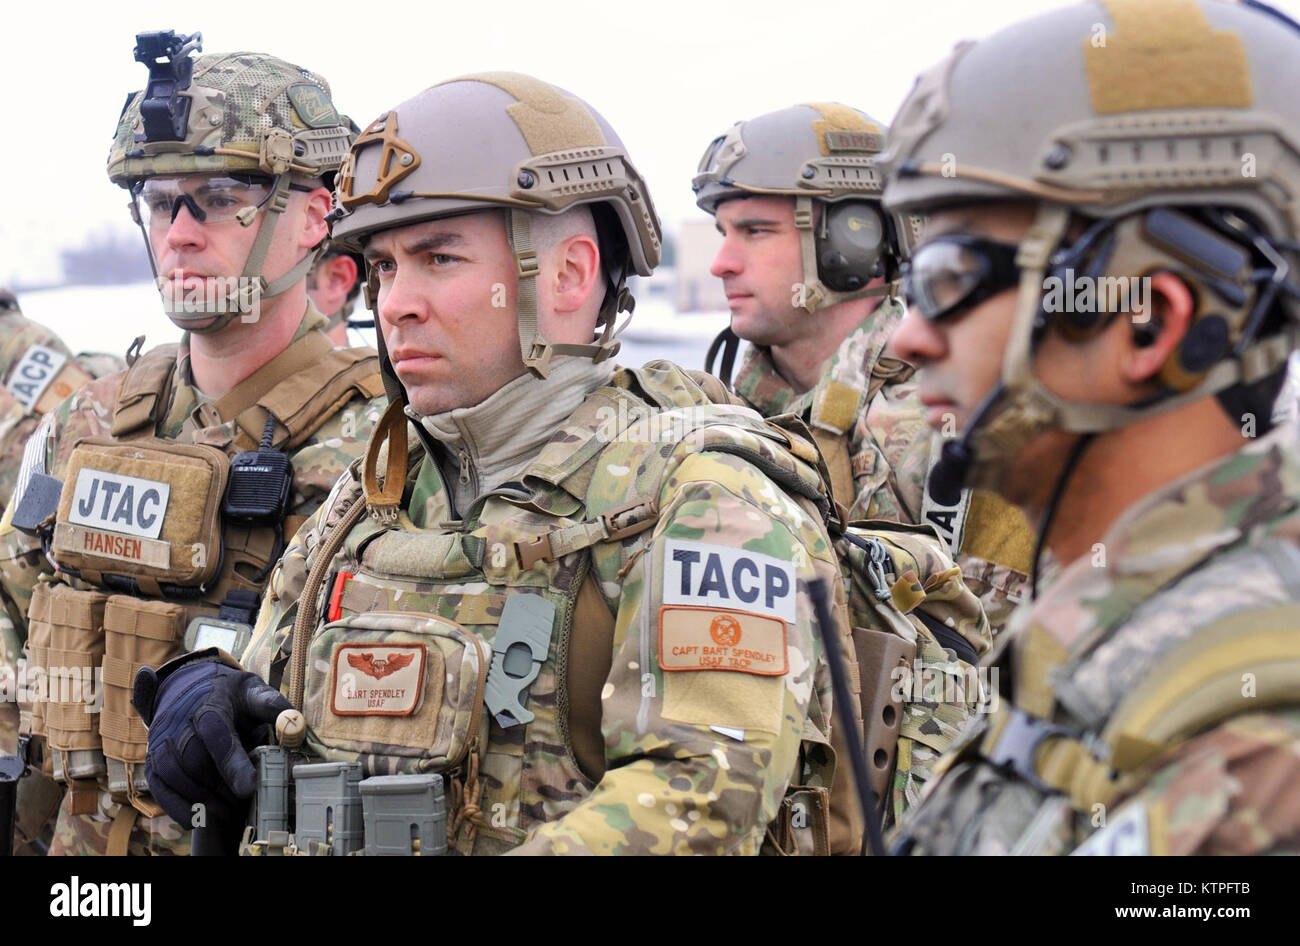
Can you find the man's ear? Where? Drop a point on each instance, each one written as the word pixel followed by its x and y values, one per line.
pixel 576 273
pixel 1158 328
pixel 316 206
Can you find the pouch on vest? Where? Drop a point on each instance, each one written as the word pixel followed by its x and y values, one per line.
pixel 73 623
pixel 403 690
pixel 137 634
pixel 31 711
pixel 142 516
pixel 802 824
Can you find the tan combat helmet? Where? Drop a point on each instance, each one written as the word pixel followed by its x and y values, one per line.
pixel 508 141
pixel 1171 129
pixel 241 114
pixel 825 152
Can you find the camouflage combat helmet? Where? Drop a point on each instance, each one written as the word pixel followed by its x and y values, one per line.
pixel 239 113
pixel 509 141
pixel 825 152
pixel 1170 131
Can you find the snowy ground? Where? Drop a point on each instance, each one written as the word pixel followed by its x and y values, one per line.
pixel 107 318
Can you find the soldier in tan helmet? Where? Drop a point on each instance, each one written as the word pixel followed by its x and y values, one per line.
pixel 579 602
pixel 165 494
pixel 810 263
pixel 1106 297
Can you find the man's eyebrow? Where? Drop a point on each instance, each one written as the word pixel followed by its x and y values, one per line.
pixel 744 223
pixel 426 244
pixel 957 223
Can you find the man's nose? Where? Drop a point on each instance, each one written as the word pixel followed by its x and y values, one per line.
pixel 399 299
pixel 185 228
pixel 917 339
pixel 727 261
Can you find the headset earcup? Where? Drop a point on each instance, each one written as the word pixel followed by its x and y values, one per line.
pixel 850 244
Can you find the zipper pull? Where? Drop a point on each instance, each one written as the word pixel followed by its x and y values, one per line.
pixel 464 468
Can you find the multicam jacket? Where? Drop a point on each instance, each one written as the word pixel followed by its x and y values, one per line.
pixel 1154 686
pixel 661 506
pixel 890 447
pixel 36 383
pixel 317 464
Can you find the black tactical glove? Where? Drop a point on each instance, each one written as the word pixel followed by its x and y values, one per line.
pixel 204 713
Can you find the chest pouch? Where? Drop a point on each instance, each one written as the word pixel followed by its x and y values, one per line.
pixel 404 690
pixel 142 516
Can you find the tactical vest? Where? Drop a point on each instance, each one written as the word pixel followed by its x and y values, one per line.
pixel 1035 778
pixel 389 607
pixel 140 521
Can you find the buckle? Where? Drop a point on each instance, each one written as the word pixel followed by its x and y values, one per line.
pixel 530 551
pixel 527 260
pixel 630 519
pixel 1018 742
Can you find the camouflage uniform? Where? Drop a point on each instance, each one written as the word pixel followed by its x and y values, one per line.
pixel 317 463
pixel 17 421
pixel 683 762
pixel 890 447
pixel 1206 560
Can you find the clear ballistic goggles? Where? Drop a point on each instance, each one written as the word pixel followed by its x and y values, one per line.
pixel 952 273
pixel 209 199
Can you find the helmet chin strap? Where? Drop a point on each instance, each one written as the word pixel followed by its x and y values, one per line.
pixel 535 351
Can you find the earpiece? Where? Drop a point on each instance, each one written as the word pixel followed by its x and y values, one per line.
pixel 850 245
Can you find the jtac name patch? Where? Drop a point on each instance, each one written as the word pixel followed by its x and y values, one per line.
pixel 711 639
pixel 377 679
pixel 35 372
pixel 714 576
pixel 127 504
pixel 125 548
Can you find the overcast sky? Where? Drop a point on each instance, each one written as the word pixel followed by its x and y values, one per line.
pixel 669 75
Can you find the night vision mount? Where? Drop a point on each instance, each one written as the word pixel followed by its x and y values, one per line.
pixel 166 113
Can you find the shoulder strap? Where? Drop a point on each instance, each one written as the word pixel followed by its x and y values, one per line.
pixel 302 388
pixel 145 393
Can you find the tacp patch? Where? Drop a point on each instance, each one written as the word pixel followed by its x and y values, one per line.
pixel 43 378
pixel 376 679
pixel 712 639
pixel 699 574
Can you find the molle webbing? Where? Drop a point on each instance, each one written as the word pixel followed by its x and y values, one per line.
pixel 137 634
pixel 72 621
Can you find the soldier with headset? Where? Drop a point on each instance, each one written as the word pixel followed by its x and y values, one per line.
pixel 1106 298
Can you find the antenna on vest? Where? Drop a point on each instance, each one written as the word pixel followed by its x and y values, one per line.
pixel 268 432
